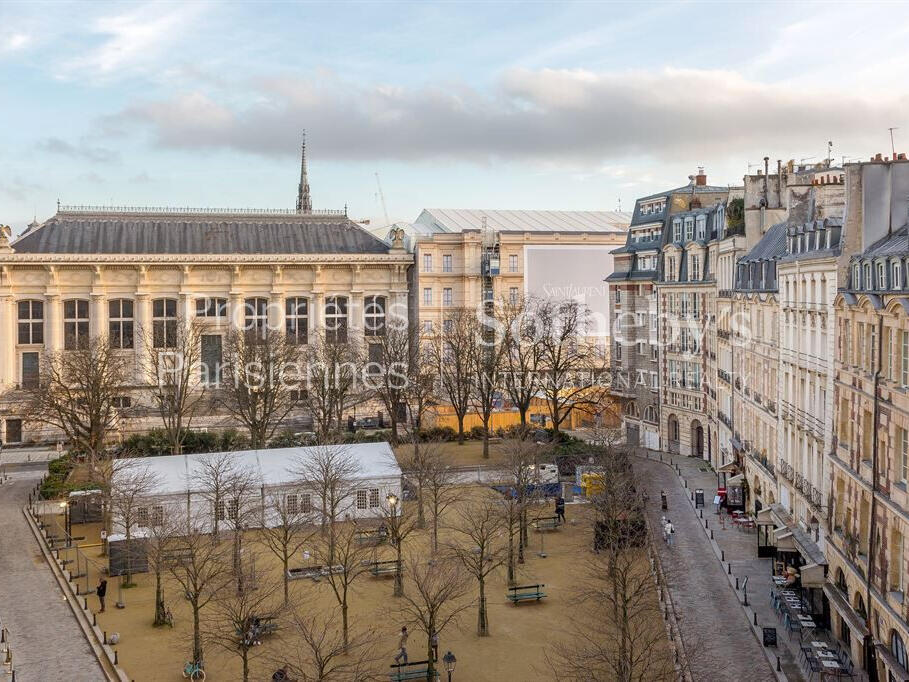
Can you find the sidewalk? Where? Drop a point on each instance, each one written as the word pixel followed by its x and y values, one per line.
pixel 735 550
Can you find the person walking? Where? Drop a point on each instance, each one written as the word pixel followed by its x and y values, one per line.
pixel 669 531
pixel 101 592
pixel 664 504
pixel 402 646
pixel 560 509
pixel 663 526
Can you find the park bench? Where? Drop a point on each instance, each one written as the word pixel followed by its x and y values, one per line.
pixel 547 523
pixel 526 593
pixel 415 670
pixel 313 572
pixel 378 568
pixel 372 537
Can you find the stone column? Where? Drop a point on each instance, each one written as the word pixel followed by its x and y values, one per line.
pixel 317 315
pixel 8 345
pixel 143 336
pixel 356 317
pixel 276 312
pixel 236 311
pixel 98 315
pixel 53 322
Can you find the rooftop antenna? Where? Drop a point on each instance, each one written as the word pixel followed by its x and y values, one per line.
pixel 892 146
pixel 829 153
pixel 619 205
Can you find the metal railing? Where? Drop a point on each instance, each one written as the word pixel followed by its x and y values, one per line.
pixel 85 209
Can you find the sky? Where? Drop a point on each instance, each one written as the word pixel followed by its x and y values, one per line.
pixel 568 106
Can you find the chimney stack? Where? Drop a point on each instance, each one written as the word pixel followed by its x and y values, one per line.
pixel 701 177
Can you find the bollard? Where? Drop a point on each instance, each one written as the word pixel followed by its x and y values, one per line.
pixel 729 567
pixel 701 511
pixel 94 619
pixel 778 667
pixel 117 660
pixel 736 582
pixel 711 533
pixel 722 555
pixel 755 617
pixel 706 524
pixel 105 632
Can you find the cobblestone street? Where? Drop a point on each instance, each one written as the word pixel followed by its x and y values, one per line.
pixel 717 635
pixel 45 638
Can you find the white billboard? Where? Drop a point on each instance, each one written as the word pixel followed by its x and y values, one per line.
pixel 572 271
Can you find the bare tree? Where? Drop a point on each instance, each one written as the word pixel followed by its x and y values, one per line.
pixel 333 382
pixel 78 394
pixel 330 473
pixel 421 391
pixel 521 457
pixel 486 357
pixel 572 374
pixel 322 653
pixel 237 618
pixel 200 569
pixel 452 350
pixel 400 525
pixel 177 380
pixel 478 527
pixel 521 360
pixel 163 532
pixel 288 527
pixel 618 633
pixel 260 377
pixel 344 555
pixel 436 598
pixel 212 480
pixel 243 509
pixel 438 486
pixel 388 375
pixel 131 486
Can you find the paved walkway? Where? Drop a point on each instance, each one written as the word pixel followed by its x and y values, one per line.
pixel 45 638
pixel 717 635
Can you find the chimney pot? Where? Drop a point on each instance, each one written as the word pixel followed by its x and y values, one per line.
pixel 877 157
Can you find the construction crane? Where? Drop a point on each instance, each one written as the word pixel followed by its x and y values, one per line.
pixel 382 197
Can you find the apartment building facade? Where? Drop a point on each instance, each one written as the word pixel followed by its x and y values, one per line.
pixel 869 454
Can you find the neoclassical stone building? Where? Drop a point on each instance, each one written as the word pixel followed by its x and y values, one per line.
pixel 113 271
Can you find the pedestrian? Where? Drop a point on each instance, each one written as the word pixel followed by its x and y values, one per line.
pixel 669 531
pixel 663 503
pixel 663 526
pixel 402 646
pixel 560 509
pixel 101 591
pixel 434 643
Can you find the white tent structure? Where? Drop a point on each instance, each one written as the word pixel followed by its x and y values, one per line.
pixel 174 486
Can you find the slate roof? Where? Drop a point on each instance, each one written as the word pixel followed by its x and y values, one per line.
pixel 137 232
pixel 458 219
pixel 895 244
pixel 771 245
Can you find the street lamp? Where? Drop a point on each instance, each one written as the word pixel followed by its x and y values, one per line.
pixel 449 660
pixel 392 500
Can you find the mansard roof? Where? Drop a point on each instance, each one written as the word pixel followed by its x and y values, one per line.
pixel 90 230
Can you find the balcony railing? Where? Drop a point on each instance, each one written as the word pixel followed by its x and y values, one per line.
pixel 764 462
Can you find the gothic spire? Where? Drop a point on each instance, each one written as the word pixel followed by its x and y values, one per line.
pixel 304 201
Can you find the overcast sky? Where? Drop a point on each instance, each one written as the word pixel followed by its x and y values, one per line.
pixel 470 105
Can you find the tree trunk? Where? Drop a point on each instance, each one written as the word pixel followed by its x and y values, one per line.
pixel 286 581
pixel 460 429
pixel 399 577
pixel 486 439
pixel 421 516
pixel 245 667
pixel 482 622
pixel 197 636
pixel 394 429
pixel 522 410
pixel 160 615
pixel 344 626
pixel 435 529
pixel 431 664
pixel 511 580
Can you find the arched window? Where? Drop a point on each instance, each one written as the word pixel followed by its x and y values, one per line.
pixel 631 410
pixel 296 321
pixel 164 322
pixel 374 315
pixel 868 284
pixel 31 322
pixel 75 323
pixel 856 277
pixel 898 648
pixel 650 414
pixel 120 323
pixel 841 582
pixel 860 606
pixel 896 282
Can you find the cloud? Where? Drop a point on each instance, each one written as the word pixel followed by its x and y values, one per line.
pixel 13 42
pixel 19 189
pixel 91 178
pixel 82 151
pixel 543 115
pixel 134 38
pixel 142 178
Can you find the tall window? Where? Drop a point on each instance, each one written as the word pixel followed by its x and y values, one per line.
pixel 31 370
pixel 869 283
pixel 689 229
pixel 374 315
pixel 695 268
pixel 256 310
pixel 75 324
pixel 427 296
pixel 702 227
pixel 427 262
pixel 905 363
pixel 856 277
pixel 211 307
pixel 164 322
pixel 211 359
pixel 881 276
pixel 120 323
pixel 513 295
pixel 336 319
pixel 446 296
pixel 902 443
pixel 296 321
pixel 677 230
pixel 896 282
pixel 31 322
pixel 898 648
pixel 513 263
pixel 446 262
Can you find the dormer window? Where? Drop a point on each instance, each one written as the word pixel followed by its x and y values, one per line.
pixel 856 277
pixel 881 276
pixel 676 230
pixel 869 283
pixel 702 227
pixel 895 279
pixel 689 229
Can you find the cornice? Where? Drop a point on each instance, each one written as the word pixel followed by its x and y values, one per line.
pixel 94 259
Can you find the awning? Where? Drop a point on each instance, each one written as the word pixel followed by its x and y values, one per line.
pixel 838 601
pixel 803 542
pixel 784 540
pixel 728 468
pixel 736 480
pixel 765 518
pixel 812 575
pixel 897 672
